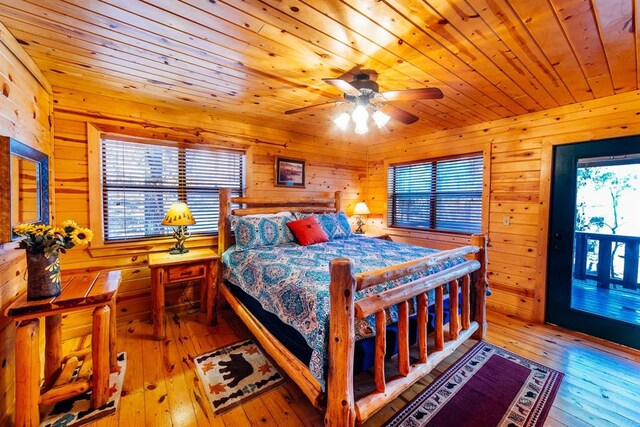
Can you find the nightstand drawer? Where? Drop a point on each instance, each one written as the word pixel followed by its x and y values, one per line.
pixel 185 272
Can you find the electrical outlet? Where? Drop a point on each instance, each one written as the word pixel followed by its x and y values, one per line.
pixel 506 220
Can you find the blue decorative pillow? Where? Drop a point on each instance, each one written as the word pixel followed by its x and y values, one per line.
pixel 335 226
pixel 252 232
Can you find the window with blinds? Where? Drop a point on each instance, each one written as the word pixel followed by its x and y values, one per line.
pixel 141 180
pixel 439 194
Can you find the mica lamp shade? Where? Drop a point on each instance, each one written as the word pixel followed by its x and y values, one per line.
pixel 178 214
pixel 361 209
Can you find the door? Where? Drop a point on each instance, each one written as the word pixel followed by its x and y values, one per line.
pixel 594 238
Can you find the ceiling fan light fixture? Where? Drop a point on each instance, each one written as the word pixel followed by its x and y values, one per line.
pixel 342 121
pixel 361 127
pixel 380 118
pixel 360 115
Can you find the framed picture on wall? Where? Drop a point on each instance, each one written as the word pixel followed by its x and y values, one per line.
pixel 289 172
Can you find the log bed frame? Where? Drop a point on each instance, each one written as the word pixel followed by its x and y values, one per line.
pixel 339 402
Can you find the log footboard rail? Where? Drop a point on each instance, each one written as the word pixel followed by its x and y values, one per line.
pixel 342 407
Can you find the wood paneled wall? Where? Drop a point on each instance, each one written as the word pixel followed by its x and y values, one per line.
pixel 331 165
pixel 520 153
pixel 25 114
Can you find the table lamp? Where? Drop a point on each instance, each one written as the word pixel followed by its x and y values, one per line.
pixel 178 217
pixel 360 209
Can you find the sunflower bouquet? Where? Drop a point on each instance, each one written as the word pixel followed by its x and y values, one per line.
pixel 48 240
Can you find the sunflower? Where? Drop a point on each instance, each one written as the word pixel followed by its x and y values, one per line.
pixel 23 229
pixel 70 225
pixel 40 230
pixel 81 236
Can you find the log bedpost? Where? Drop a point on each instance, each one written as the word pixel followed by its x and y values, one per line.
pixel 224 228
pixel 480 288
pixel 338 201
pixel 339 387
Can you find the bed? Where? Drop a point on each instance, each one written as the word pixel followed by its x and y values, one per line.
pixel 402 291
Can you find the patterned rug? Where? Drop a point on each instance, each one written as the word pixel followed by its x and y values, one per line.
pixel 487 387
pixel 77 410
pixel 235 374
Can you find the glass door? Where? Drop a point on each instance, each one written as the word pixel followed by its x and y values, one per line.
pixel 593 278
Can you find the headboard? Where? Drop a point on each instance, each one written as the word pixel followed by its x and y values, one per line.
pixel 263 205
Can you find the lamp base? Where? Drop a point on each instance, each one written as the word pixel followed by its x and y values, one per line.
pixel 178 251
pixel 359 223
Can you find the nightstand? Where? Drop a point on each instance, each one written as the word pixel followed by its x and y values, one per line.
pixel 373 235
pixel 166 269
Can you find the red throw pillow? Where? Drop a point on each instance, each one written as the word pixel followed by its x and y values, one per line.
pixel 307 231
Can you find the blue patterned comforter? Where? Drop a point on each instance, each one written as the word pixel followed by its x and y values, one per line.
pixel 292 282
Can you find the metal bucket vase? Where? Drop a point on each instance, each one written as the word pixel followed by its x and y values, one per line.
pixel 43 276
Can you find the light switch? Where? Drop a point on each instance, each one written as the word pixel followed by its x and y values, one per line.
pixel 506 220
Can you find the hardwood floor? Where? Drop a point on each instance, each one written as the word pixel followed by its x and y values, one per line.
pixel 601 386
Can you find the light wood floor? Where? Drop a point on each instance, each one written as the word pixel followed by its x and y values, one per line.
pixel 601 386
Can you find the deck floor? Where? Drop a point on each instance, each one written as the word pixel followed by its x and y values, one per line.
pixel 161 388
pixel 618 304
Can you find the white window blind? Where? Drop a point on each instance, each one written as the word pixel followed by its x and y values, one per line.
pixel 140 181
pixel 440 194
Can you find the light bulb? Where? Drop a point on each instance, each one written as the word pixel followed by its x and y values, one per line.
pixel 342 121
pixel 360 115
pixel 361 127
pixel 380 118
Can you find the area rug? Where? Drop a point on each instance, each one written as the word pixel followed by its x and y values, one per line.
pixel 487 387
pixel 77 410
pixel 235 374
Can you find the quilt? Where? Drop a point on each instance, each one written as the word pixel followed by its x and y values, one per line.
pixel 292 282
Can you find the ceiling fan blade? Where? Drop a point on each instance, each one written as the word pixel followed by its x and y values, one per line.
pixel 399 114
pixel 410 94
pixel 314 107
pixel 343 86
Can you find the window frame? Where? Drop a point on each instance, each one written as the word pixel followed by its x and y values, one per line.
pixel 484 221
pixel 100 247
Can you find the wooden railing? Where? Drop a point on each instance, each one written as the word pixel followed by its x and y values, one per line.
pixel 342 406
pixel 604 274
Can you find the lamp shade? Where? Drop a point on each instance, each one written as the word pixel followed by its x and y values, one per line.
pixel 361 209
pixel 178 214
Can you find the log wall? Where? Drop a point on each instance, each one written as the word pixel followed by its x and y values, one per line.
pixel 25 114
pixel 331 165
pixel 518 159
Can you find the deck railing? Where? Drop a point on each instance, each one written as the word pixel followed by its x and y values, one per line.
pixel 604 272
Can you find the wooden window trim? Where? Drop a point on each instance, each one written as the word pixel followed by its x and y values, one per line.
pixel 100 248
pixel 440 234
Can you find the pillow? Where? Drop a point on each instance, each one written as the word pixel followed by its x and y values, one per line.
pixel 307 231
pixel 233 219
pixel 335 225
pixel 253 232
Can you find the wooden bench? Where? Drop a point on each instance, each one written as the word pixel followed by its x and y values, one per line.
pixel 79 292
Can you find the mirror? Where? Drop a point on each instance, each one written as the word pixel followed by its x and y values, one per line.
pixel 24 181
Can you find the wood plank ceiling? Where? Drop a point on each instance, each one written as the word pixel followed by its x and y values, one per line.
pixel 258 58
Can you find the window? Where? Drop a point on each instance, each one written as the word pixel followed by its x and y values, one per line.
pixel 440 194
pixel 140 181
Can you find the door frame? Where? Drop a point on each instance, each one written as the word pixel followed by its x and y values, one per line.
pixel 562 211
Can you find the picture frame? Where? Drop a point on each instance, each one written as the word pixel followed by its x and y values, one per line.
pixel 289 172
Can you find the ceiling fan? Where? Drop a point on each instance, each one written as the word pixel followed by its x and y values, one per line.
pixel 363 91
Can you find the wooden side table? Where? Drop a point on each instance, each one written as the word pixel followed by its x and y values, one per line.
pixel 79 292
pixel 203 264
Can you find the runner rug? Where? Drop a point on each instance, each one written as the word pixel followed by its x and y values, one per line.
pixel 235 374
pixel 487 387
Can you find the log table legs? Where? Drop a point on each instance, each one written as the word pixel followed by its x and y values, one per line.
pixel 100 350
pixel 53 348
pixel 157 296
pixel 27 373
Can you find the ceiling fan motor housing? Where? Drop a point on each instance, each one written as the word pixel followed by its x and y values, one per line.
pixel 367 87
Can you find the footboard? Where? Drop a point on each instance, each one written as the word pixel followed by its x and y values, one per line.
pixel 342 408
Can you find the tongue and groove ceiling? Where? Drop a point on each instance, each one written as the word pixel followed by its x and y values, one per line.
pixel 256 59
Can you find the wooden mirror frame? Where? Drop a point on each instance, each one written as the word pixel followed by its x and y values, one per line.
pixel 9 146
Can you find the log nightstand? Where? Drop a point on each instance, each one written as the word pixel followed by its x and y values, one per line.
pixel 79 292
pixel 197 264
